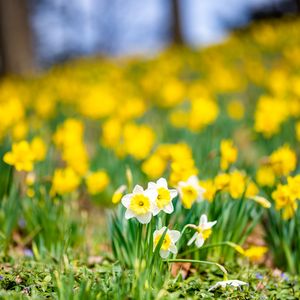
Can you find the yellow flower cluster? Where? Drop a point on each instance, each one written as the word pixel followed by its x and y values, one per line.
pixel 128 139
pixel 69 140
pixel 202 112
pixel 177 157
pixel 286 196
pixel 228 154
pixel 24 154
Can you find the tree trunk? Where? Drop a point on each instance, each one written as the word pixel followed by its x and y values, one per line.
pixel 177 36
pixel 15 38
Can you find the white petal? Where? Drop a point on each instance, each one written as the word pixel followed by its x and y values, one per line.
pixel 173 249
pixel 175 235
pixel 173 193
pixel 191 241
pixel 162 230
pixel 129 214
pixel 162 182
pixel 155 210
pixel 151 194
pixel 199 241
pixel 210 224
pixel 126 200
pixel 144 219
pixel 151 185
pixel 168 209
pixel 193 180
pixel 138 189
pixel 203 220
pixel 164 253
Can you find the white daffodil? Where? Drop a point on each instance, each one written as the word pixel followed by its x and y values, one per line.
pixel 168 244
pixel 203 231
pixel 164 197
pixel 190 191
pixel 223 284
pixel 139 204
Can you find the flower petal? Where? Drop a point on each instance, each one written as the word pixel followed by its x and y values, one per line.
pixel 164 253
pixel 175 235
pixel 168 209
pixel 151 185
pixel 162 182
pixel 138 189
pixel 173 249
pixel 199 241
pixel 203 220
pixel 129 214
pixel 126 200
pixel 144 219
pixel 191 241
pixel 173 193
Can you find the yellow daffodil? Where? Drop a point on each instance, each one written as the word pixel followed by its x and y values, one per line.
pixel 21 156
pixel 64 181
pixel 96 182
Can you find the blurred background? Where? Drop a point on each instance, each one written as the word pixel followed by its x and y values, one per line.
pixel 35 34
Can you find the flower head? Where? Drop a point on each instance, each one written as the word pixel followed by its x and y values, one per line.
pixel 225 283
pixel 116 198
pixel 97 182
pixel 168 244
pixel 164 196
pixel 21 156
pixel 140 204
pixel 228 154
pixel 190 191
pixel 64 181
pixel 203 231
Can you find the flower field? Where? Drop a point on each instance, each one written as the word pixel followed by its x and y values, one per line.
pixel 175 176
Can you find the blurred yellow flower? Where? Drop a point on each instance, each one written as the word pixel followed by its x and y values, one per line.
pixel 283 161
pixel 210 189
pixel 96 182
pixel 265 176
pixel 228 154
pixel 21 156
pixel 261 201
pixel 204 111
pixel 255 253
pixel 38 148
pixel 138 140
pixel 118 194
pixel 20 130
pixel 235 110
pixel 284 200
pixel 222 181
pixel 270 114
pixel 64 181
pixel 154 166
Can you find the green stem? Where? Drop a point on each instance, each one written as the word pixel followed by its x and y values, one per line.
pixel 229 244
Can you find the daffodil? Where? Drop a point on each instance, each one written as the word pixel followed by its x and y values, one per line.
pixel 97 182
pixel 168 244
pixel 64 181
pixel 190 191
pixel 203 231
pixel 140 204
pixel 225 283
pixel 21 156
pixel 163 202
pixel 116 198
